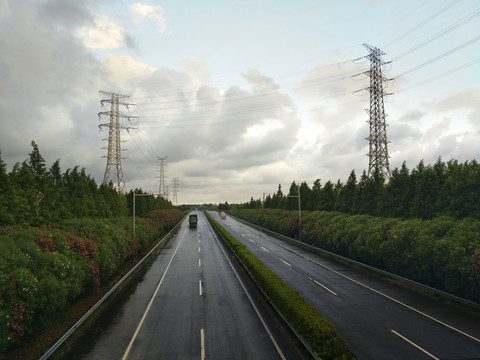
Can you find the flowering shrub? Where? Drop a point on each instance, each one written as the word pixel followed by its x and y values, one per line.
pixel 44 269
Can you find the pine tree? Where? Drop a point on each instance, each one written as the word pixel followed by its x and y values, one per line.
pixel 347 194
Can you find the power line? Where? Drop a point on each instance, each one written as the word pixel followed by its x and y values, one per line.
pixel 163 166
pixel 439 34
pixel 175 187
pixel 441 11
pixel 377 139
pixel 114 170
pixel 439 57
pixel 451 71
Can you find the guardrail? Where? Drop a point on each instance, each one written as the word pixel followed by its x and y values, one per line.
pixel 80 322
pixel 370 268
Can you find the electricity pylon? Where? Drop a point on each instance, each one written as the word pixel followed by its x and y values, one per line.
pixel 377 140
pixel 162 190
pixel 175 185
pixel 114 170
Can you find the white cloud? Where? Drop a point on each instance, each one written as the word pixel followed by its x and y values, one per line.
pixel 213 139
pixel 125 71
pixel 142 11
pixel 106 34
pixel 222 143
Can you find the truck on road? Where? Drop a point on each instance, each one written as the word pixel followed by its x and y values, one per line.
pixel 192 220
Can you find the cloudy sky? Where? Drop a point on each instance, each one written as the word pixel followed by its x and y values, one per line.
pixel 239 95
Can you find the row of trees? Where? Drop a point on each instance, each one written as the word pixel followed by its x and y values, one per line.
pixel 443 189
pixel 32 194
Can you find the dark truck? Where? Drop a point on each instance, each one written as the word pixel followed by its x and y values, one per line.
pixel 192 220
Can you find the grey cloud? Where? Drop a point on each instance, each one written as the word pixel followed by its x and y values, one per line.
pixel 130 41
pixel 412 115
pixel 49 92
pixel 333 80
pixel 465 99
pixel 67 13
pixel 204 132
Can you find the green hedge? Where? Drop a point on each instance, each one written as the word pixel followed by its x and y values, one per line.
pixel 320 334
pixel 443 253
pixel 44 269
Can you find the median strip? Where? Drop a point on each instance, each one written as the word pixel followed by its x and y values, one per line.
pixel 314 330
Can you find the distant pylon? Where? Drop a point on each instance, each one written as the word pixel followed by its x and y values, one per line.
pixel 114 170
pixel 175 186
pixel 162 189
pixel 377 140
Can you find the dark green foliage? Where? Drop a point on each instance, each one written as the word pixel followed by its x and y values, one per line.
pixel 6 195
pixel 443 252
pixel 444 189
pixel 33 195
pixel 320 334
pixel 145 204
pixel 44 268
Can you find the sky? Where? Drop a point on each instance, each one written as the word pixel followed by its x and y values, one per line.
pixel 240 96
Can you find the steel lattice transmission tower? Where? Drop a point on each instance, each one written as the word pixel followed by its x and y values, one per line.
pixel 114 170
pixel 175 186
pixel 162 188
pixel 378 149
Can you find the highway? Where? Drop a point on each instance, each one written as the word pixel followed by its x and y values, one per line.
pixel 192 303
pixel 378 320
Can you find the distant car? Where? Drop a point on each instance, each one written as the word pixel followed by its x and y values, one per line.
pixel 193 220
pixel 222 214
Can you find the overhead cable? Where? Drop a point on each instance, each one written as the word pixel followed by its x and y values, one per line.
pixel 438 57
pixel 441 11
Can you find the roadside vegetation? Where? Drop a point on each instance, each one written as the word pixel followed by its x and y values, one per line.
pixel 422 224
pixel 63 237
pixel 443 253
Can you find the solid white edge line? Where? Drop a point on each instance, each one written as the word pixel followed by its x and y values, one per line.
pixel 125 355
pixel 412 343
pixel 389 297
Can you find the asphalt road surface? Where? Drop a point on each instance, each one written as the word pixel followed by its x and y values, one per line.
pixel 378 320
pixel 192 303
